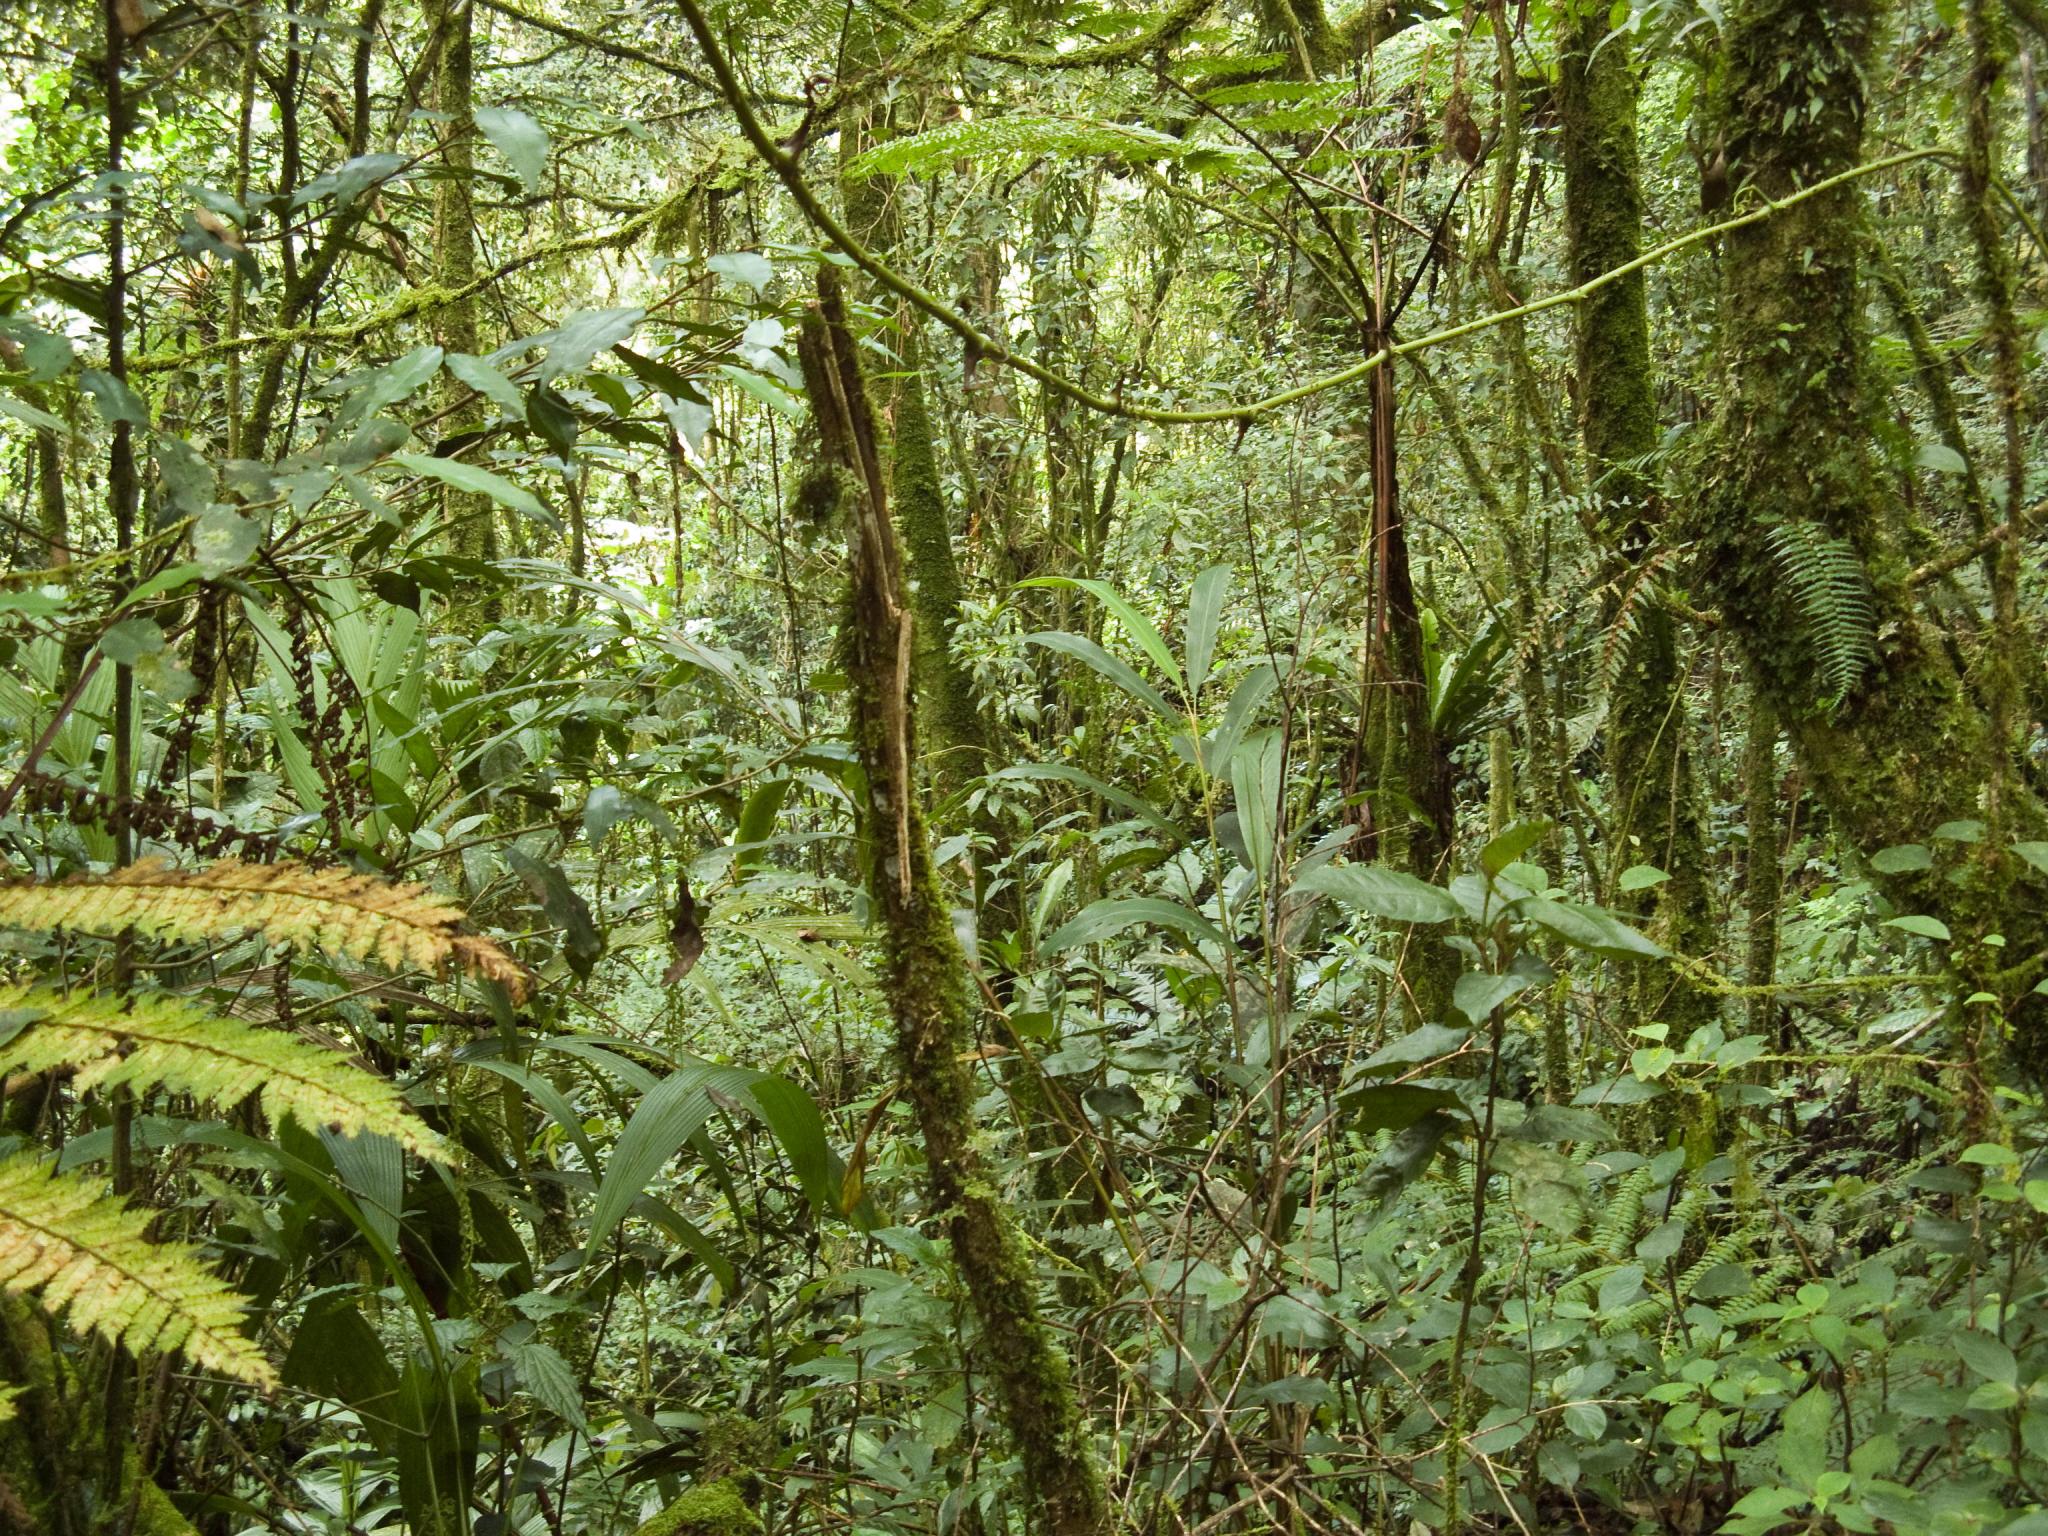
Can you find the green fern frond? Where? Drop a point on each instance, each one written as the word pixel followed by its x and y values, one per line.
pixel 162 1042
pixel 1025 135
pixel 1837 617
pixel 403 926
pixel 89 1258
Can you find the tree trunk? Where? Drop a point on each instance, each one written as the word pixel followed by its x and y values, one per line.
pixel 1905 747
pixel 925 973
pixel 1657 814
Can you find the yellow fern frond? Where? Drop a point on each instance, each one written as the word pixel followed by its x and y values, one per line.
pixel 403 926
pixel 161 1041
pixel 89 1258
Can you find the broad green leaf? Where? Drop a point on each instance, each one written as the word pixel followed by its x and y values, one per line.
pixel 1903 859
pixel 1116 670
pixel 115 401
pixel 747 267
pixel 765 390
pixel 488 382
pixel 1257 773
pixel 577 340
pixel 478 481
pixel 1640 877
pixel 1134 623
pixel 521 140
pixel 545 1374
pixel 1498 855
pixel 397 380
pixel 1064 774
pixel 1590 928
pixel 1431 1042
pixel 1103 919
pixel 223 540
pixel 1396 1106
pixel 1803 1436
pixel 1940 458
pixel 32 416
pixel 1924 927
pixel 1382 892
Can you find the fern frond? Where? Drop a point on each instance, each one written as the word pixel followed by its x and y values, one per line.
pixel 145 1042
pixel 7 1397
pixel 1837 617
pixel 402 926
pixel 89 1257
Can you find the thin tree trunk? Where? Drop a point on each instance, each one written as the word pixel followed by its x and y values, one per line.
pixel 1657 816
pixel 925 973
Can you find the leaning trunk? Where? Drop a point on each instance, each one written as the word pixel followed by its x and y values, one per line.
pixel 925 973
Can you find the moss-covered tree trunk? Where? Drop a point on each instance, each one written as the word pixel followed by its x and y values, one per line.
pixel 945 689
pixel 1657 812
pixel 925 975
pixel 1907 746
pixel 474 521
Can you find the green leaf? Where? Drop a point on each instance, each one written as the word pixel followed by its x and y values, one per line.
pixel 1431 1042
pixel 563 905
pixel 573 344
pixel 755 271
pixel 477 481
pixel 1905 858
pixel 608 806
pixel 488 382
pixel 1940 458
pixel 115 401
pixel 1205 618
pixel 674 1110
pixel 1517 840
pixel 1641 877
pixel 1134 623
pixel 1988 1356
pixel 1116 670
pixel 223 540
pixel 545 1374
pixel 129 641
pixel 1621 1287
pixel 1925 927
pixel 1396 1106
pixel 521 140
pixel 1382 892
pixel 1477 993
pixel 1064 774
pixel 1803 1438
pixel 397 380
pixel 31 416
pixel 1259 781
pixel 765 390
pixel 1102 919
pixel 2035 854
pixel 1590 928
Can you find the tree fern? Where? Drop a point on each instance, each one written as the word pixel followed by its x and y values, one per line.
pixel 403 926
pixel 89 1258
pixel 1833 602
pixel 163 1042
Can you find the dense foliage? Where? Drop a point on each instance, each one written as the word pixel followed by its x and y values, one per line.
pixel 957 766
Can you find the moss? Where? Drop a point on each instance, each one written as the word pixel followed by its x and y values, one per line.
pixel 714 1508
pixel 1658 805
pixel 1910 747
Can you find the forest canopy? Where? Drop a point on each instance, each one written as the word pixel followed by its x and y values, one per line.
pixel 1020 768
